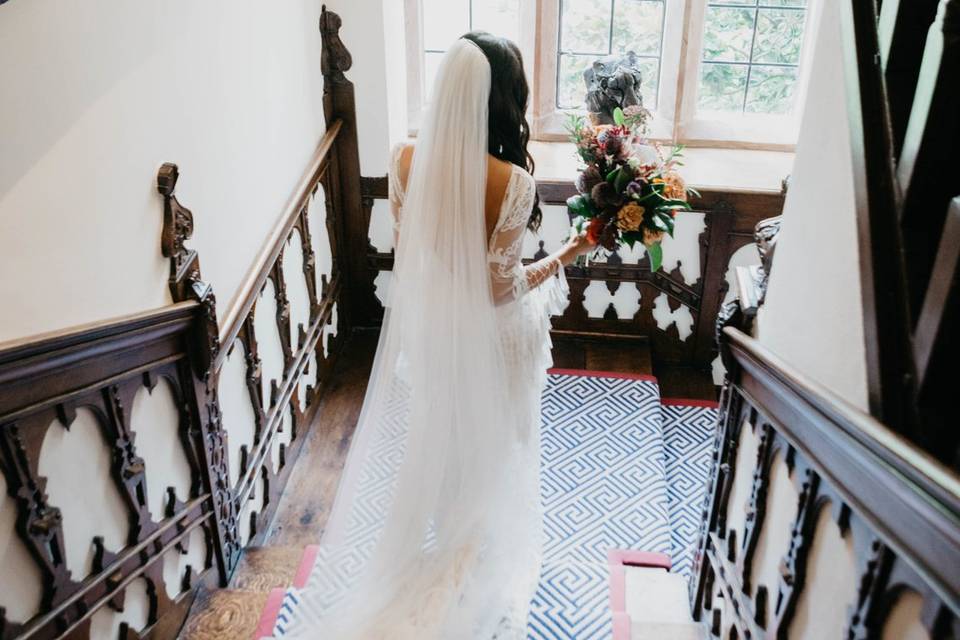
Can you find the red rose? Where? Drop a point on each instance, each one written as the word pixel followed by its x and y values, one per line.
pixel 594 229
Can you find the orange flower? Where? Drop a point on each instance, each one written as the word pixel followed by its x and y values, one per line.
pixel 649 237
pixel 676 188
pixel 630 217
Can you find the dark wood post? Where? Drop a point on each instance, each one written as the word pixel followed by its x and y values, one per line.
pixel 361 305
pixel 719 224
pixel 207 429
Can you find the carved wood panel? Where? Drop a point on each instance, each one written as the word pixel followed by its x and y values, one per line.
pixel 730 219
pixel 280 422
pixel 724 563
pixel 891 530
pixel 100 370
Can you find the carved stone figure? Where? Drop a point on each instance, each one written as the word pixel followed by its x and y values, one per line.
pixel 613 81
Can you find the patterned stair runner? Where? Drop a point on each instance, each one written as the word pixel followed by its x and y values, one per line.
pixel 619 470
pixel 688 430
pixel 603 485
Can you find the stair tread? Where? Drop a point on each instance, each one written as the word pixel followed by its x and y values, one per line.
pixel 667 631
pixel 225 613
pixel 656 596
pixel 264 568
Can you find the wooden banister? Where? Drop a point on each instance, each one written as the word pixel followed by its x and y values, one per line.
pixel 890 372
pixel 928 174
pixel 838 436
pixel 256 276
pixel 901 54
pixel 101 367
pixel 897 507
pixel 941 296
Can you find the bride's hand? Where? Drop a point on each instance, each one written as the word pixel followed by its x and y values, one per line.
pixel 576 246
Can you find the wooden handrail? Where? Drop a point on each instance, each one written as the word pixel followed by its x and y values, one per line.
pixel 257 274
pixel 909 498
pixel 21 348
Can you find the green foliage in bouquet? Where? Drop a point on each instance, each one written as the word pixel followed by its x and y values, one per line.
pixel 628 191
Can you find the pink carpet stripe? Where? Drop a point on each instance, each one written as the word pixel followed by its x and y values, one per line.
pixel 306 565
pixel 618 559
pixel 631 558
pixel 621 626
pixel 603 374
pixel 268 618
pixel 618 589
pixel 689 402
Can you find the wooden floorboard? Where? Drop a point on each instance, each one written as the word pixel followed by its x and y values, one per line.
pixel 306 502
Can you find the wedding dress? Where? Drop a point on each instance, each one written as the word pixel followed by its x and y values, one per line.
pixel 436 529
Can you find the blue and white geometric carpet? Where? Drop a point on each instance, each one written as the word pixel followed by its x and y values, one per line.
pixel 689 427
pixel 619 470
pixel 603 484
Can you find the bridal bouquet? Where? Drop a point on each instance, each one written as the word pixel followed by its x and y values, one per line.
pixel 629 191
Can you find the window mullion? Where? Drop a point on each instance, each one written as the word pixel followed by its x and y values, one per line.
pixel 613 9
pixel 753 42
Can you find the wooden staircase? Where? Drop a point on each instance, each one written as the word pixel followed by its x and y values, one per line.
pixel 235 612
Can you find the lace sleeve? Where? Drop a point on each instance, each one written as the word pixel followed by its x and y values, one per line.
pixel 395 188
pixel 509 279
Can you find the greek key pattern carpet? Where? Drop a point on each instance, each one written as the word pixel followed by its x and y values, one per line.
pixel 603 485
pixel 619 470
pixel 688 432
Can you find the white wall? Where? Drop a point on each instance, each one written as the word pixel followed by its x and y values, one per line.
pixel 96 95
pixel 813 316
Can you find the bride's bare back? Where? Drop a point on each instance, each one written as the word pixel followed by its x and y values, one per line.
pixel 498 178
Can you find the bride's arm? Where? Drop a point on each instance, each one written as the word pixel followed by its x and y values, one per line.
pixel 510 279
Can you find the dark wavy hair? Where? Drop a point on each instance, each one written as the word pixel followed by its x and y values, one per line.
pixel 509 131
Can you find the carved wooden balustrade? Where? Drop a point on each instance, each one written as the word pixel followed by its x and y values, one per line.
pixel 236 471
pixel 730 218
pixel 100 369
pixel 895 508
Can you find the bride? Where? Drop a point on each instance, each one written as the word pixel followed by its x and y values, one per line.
pixel 435 532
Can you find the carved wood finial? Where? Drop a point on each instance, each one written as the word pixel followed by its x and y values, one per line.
pixel 334 58
pixel 177 229
pixel 185 280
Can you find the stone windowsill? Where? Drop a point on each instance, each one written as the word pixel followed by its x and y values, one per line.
pixel 728 169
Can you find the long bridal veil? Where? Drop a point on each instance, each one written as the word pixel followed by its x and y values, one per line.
pixel 424 535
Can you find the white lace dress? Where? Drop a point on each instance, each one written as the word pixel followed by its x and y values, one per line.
pixel 526 297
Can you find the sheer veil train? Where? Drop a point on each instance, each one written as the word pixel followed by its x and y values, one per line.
pixel 430 536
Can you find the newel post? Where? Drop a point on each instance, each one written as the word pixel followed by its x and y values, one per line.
pixel 206 428
pixel 352 220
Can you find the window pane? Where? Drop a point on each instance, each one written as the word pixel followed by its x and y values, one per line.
pixel 443 22
pixel 585 26
pixel 779 36
pixel 650 82
pixel 771 89
pixel 499 17
pixel 765 38
pixel 570 87
pixel 638 27
pixel 722 87
pixel 783 3
pixel 728 34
